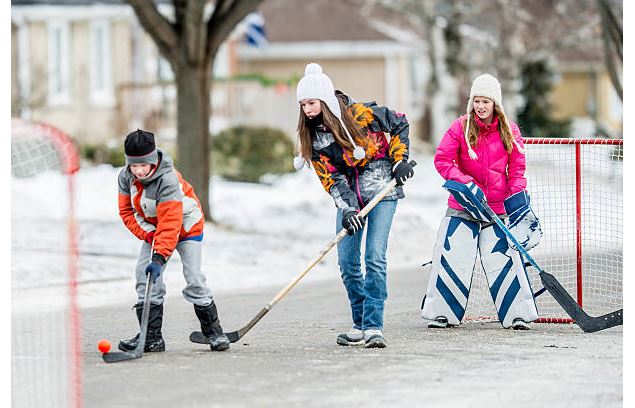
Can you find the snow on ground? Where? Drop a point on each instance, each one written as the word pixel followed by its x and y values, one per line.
pixel 267 233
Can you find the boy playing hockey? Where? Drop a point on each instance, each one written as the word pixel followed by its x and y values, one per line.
pixel 161 209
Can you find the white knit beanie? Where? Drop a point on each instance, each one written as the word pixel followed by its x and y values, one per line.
pixel 317 85
pixel 488 86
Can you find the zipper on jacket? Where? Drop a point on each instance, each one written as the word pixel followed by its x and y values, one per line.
pixel 357 190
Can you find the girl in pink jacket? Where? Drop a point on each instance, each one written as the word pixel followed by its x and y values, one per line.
pixel 484 150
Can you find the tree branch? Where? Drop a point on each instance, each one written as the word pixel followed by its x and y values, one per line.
pixel 195 30
pixel 226 16
pixel 608 24
pixel 156 25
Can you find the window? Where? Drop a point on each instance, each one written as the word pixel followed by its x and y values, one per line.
pixel 101 89
pixel 58 63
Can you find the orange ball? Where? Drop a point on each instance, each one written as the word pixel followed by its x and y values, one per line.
pixel 103 346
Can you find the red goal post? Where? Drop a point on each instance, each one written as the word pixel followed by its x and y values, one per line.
pixel 45 318
pixel 576 191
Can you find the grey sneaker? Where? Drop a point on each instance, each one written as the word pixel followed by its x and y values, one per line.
pixel 374 338
pixel 438 323
pixel 354 337
pixel 520 324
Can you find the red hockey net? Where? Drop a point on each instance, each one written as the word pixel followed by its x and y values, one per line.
pixel 45 327
pixel 576 192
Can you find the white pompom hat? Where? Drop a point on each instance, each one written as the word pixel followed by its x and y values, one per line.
pixel 317 85
pixel 488 86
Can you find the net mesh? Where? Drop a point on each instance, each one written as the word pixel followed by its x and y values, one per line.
pixel 557 189
pixel 44 319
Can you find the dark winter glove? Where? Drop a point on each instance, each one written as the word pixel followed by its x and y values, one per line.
pixel 149 237
pixel 522 223
pixel 402 172
pixel 352 222
pixel 155 267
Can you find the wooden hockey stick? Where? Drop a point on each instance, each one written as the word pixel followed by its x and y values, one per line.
pixel 588 324
pixel 198 337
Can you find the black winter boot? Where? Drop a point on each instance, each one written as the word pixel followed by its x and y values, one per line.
pixel 211 328
pixel 154 338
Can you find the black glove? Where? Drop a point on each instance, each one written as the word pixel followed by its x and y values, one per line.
pixel 155 267
pixel 402 172
pixel 352 222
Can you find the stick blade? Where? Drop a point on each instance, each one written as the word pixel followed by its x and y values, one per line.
pixel 118 356
pixel 587 323
pixel 233 336
pixel 199 338
pixel 594 324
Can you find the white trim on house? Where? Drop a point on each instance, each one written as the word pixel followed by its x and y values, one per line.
pixel 327 49
pixel 58 63
pixel 101 88
pixel 24 74
pixel 43 13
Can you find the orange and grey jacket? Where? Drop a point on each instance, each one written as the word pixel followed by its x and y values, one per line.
pixel 164 203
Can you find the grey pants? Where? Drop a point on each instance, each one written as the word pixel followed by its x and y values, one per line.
pixel 195 291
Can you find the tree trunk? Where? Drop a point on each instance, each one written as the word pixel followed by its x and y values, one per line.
pixel 192 86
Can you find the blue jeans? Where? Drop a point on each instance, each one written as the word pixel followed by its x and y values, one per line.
pixel 367 293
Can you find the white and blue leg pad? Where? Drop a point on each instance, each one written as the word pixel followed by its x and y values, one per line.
pixel 507 277
pixel 452 267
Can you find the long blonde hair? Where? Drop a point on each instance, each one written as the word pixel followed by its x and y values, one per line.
pixel 332 122
pixel 503 128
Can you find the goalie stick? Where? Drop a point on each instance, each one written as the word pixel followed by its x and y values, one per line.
pixel 200 338
pixel 117 356
pixel 588 324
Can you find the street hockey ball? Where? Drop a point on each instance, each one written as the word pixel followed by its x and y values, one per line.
pixel 103 346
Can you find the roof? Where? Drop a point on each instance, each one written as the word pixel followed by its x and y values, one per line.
pixel 316 20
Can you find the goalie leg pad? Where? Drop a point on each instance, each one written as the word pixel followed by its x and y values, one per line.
pixel 452 267
pixel 507 277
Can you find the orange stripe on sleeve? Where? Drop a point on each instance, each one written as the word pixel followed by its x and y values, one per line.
pixel 170 219
pixel 126 212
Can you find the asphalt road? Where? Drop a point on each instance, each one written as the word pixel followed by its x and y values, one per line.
pixel 290 358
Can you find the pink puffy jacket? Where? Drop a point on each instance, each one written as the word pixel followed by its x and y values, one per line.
pixel 498 173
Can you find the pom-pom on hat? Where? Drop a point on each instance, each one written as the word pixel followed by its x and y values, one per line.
pixel 315 84
pixel 488 86
pixel 139 147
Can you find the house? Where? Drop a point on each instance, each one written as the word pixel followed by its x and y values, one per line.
pixel 363 60
pixel 86 67
pixel 89 68
pixel 583 89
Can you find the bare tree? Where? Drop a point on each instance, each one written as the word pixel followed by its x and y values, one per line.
pixel 613 39
pixel 435 22
pixel 465 37
pixel 189 42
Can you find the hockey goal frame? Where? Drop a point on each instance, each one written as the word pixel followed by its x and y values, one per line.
pixel 574 190
pixel 578 208
pixel 68 163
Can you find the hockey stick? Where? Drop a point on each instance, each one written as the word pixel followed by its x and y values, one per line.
pixel 198 337
pixel 588 324
pixel 117 356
